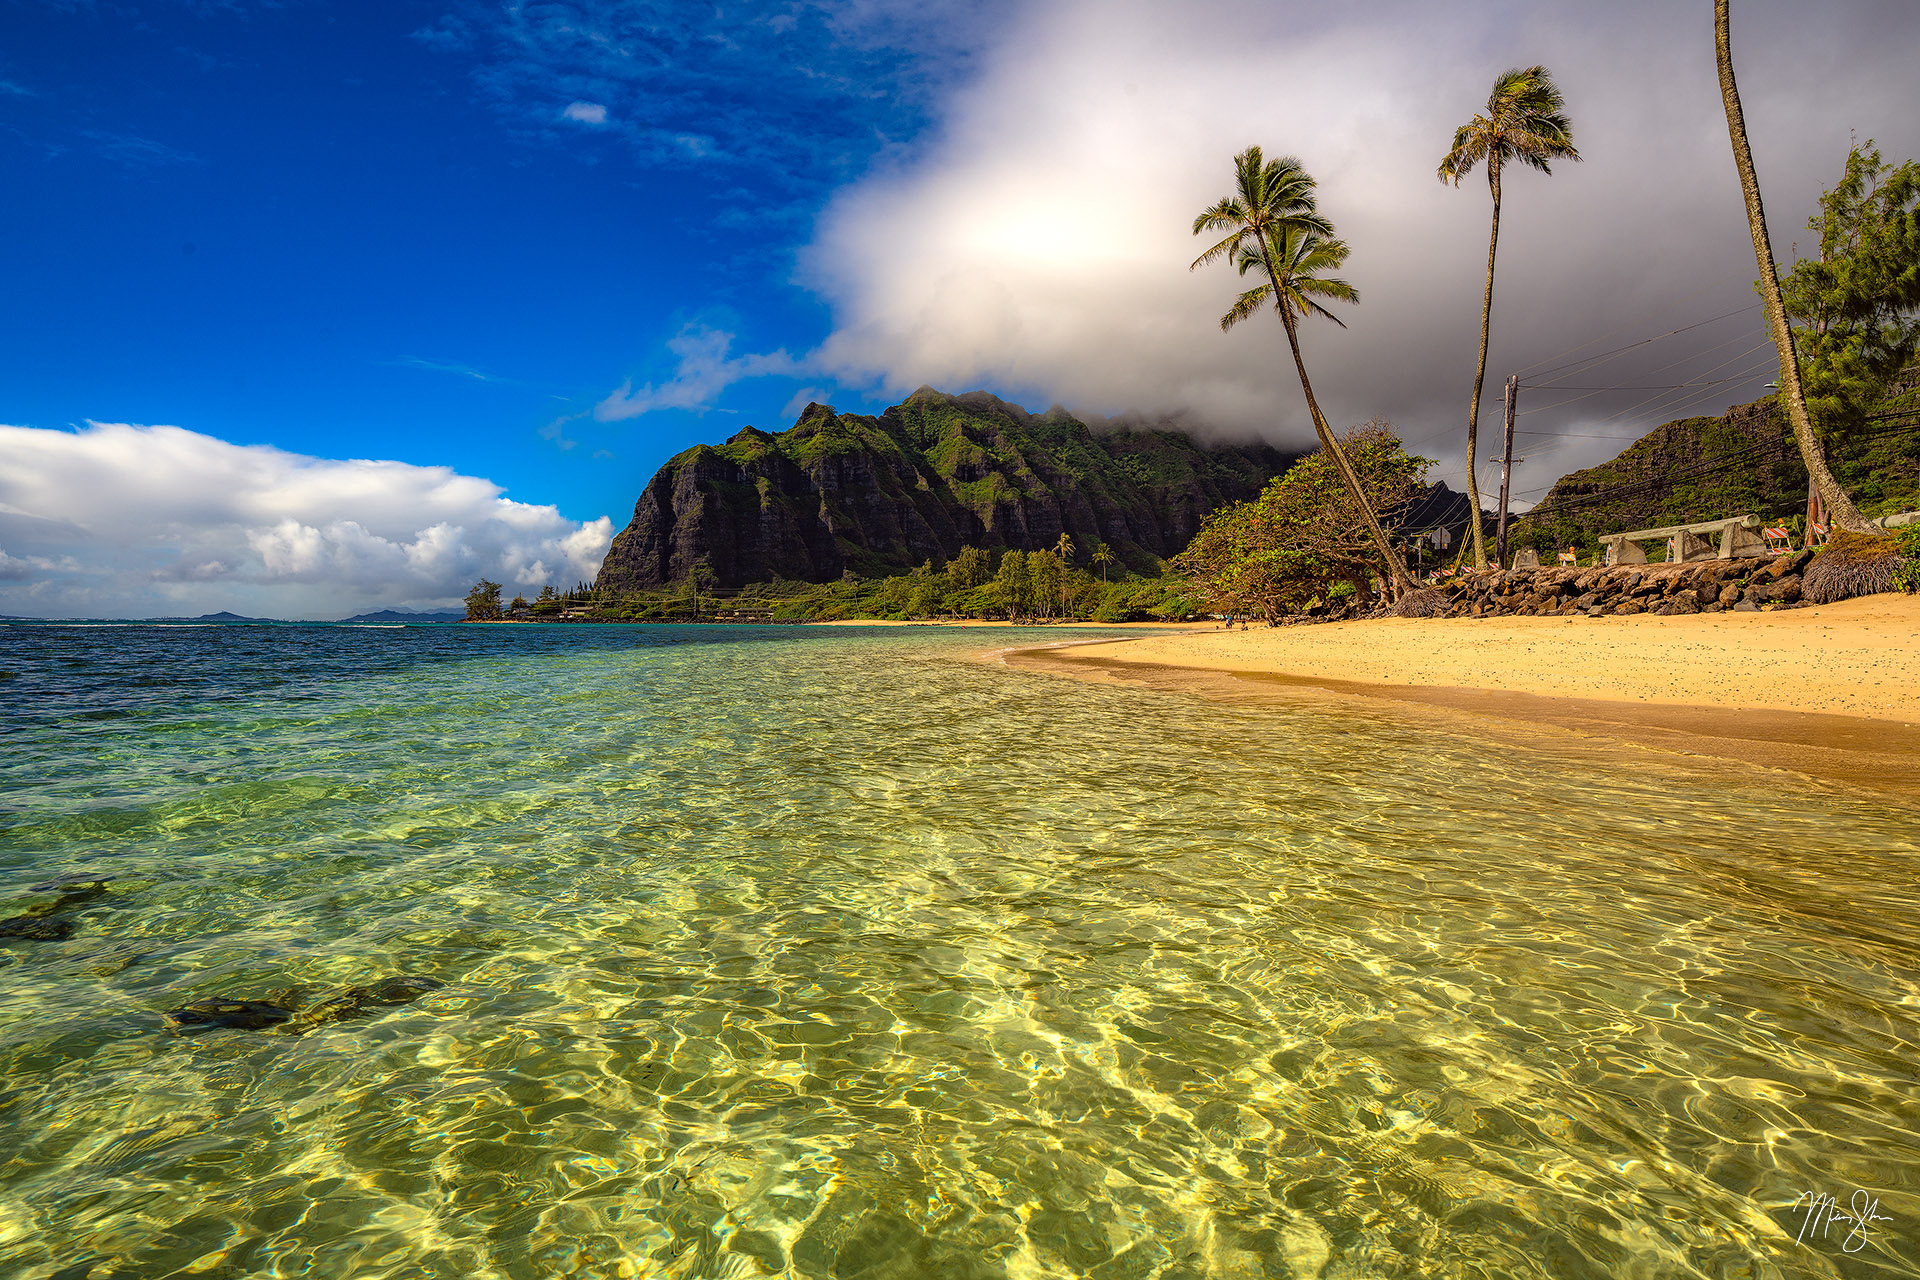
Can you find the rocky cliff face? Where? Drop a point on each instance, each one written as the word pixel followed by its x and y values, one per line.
pixel 839 493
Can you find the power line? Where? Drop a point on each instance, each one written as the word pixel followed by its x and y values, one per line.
pixel 1621 329
pixel 1722 462
pixel 1591 361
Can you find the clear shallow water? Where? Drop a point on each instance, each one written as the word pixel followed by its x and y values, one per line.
pixel 831 953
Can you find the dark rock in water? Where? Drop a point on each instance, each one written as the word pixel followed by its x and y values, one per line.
pixel 299 1006
pixel 242 1015
pixel 36 929
pixel 355 1002
pixel 405 987
pixel 75 880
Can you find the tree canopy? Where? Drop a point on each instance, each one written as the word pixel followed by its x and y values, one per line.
pixel 1858 303
pixel 1304 533
pixel 483 602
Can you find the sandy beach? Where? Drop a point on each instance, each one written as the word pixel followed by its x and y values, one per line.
pixel 1832 691
pixel 1056 626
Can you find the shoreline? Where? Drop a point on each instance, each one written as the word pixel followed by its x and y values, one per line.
pixel 1791 690
pixel 970 623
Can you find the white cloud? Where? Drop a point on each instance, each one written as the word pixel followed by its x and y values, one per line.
pixel 703 370
pixel 586 112
pixel 122 520
pixel 1039 243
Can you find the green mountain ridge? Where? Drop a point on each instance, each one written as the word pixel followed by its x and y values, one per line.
pixel 1743 462
pixel 866 495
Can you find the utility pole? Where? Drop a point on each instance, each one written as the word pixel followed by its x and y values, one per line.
pixel 1506 470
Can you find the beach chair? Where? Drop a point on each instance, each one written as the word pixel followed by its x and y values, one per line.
pixel 1779 540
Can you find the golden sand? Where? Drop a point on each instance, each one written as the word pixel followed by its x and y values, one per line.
pixel 1832 691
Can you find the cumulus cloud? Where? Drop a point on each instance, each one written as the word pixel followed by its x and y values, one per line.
pixel 586 112
pixel 137 521
pixel 704 368
pixel 1039 244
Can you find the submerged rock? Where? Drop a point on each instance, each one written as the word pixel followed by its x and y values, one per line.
pixel 242 1015
pixel 78 880
pixel 355 1002
pixel 301 1008
pixel 36 928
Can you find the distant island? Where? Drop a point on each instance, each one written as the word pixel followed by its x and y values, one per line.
pixel 229 617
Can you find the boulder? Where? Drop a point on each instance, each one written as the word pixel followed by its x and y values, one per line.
pixel 209 1015
pixel 36 929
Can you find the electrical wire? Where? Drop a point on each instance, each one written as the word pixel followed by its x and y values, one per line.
pixel 1623 328
pixel 1593 361
pixel 1904 422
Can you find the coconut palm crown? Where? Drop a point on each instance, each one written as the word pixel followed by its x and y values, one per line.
pixel 1273 228
pixel 1526 121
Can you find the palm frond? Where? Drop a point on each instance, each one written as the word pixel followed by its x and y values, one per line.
pixel 1245 305
pixel 1338 290
pixel 1226 246
pixel 1304 306
pixel 1469 149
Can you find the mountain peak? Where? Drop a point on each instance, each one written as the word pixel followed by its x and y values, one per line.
pixel 838 493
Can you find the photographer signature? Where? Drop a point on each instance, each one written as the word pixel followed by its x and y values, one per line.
pixel 1823 1210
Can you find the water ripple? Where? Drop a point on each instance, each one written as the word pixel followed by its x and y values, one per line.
pixel 803 953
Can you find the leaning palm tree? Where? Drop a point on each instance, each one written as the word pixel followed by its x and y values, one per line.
pixel 1526 120
pixel 1273 228
pixel 1840 507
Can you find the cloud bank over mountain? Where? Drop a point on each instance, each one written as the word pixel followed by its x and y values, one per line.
pixel 118 520
pixel 1039 243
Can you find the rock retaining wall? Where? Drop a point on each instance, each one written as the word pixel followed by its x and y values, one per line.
pixel 1704 586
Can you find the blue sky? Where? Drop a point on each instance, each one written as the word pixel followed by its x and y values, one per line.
pixel 315 307
pixel 364 230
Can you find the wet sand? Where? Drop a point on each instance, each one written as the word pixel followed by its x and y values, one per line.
pixel 1832 692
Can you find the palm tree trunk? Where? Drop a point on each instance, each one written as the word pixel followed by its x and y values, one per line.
pixel 1839 505
pixel 1397 577
pixel 1480 374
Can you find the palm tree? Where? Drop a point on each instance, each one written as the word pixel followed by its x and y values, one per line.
pixel 1102 556
pixel 1840 507
pixel 1063 549
pixel 1525 121
pixel 1274 228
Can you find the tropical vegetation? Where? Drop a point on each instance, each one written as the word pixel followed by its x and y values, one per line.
pixel 1857 305
pixel 1304 536
pixel 978 584
pixel 483 602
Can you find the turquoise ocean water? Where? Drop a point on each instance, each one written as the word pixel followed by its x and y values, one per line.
pixel 839 953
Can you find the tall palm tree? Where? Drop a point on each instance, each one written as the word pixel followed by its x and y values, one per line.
pixel 1274 229
pixel 1840 507
pixel 1526 121
pixel 1063 549
pixel 1102 556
